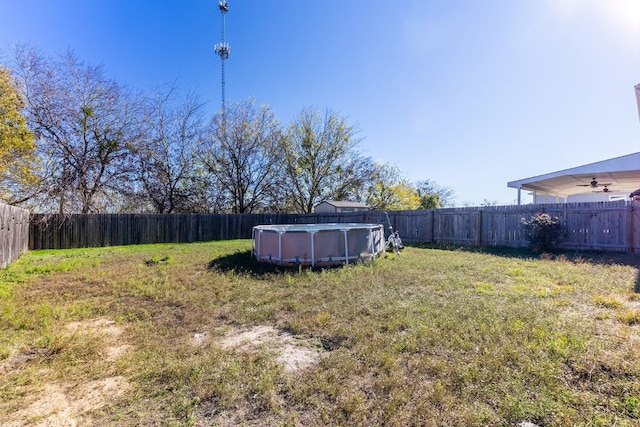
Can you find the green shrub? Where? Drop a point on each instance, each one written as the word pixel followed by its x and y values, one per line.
pixel 544 232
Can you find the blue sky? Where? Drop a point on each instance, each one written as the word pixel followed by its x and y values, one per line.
pixel 469 94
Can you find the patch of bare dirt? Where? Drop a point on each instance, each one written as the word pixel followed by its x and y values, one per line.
pixel 294 353
pixel 199 338
pixel 63 404
pixel 66 404
pixel 18 359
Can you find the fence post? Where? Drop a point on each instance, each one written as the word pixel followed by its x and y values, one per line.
pixel 14 233
pixel 630 231
pixel 479 228
pixel 432 225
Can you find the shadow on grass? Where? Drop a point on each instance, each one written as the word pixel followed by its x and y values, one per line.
pixel 594 257
pixel 244 262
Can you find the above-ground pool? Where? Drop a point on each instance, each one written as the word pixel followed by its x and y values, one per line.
pixel 317 244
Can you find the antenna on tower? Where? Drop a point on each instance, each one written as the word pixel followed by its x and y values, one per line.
pixel 222 48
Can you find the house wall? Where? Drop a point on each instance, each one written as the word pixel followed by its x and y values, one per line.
pixel 542 198
pixel 351 210
pixel 611 196
pixel 324 207
pixel 598 197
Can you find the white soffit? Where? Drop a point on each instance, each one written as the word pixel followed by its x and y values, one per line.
pixel 622 173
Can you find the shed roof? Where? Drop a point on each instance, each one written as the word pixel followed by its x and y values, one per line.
pixel 345 204
pixel 622 173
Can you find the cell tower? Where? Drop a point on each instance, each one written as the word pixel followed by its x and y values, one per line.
pixel 222 48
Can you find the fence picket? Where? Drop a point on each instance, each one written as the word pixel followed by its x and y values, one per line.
pixel 14 233
pixel 611 226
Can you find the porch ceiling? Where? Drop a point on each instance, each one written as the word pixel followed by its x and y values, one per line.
pixel 623 174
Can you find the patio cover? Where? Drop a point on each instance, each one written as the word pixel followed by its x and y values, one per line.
pixel 622 172
pixel 637 88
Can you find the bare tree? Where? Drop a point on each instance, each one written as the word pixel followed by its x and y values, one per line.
pixel 319 159
pixel 85 125
pixel 165 166
pixel 353 178
pixel 239 151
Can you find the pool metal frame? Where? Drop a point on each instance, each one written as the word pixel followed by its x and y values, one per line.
pixel 316 244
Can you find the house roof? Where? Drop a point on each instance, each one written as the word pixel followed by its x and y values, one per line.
pixel 345 204
pixel 621 173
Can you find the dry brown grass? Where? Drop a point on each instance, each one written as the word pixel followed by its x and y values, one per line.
pixel 200 334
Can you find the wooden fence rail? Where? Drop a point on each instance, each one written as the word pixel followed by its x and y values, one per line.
pixel 605 226
pixel 14 233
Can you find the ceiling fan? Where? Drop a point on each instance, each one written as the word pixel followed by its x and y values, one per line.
pixel 595 184
pixel 604 190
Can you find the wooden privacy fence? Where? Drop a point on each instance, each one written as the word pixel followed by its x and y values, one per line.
pixel 97 230
pixel 602 226
pixel 608 226
pixel 14 233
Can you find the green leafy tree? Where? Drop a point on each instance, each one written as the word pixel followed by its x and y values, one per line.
pixel 428 188
pixel 390 190
pixel 17 147
pixel 429 201
pixel 319 160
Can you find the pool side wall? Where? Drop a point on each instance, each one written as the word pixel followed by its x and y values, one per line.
pixel 317 245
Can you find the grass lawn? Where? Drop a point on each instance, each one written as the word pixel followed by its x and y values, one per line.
pixel 199 334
